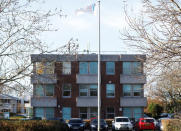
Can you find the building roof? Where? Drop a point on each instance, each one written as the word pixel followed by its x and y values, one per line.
pixel 86 57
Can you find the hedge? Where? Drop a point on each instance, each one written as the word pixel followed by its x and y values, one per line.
pixel 32 125
pixel 171 125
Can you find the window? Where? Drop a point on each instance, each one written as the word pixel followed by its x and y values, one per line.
pixel 88 67
pixel 132 90
pixel 93 112
pixel 132 112
pixel 93 67
pixel 110 113
pixel 83 90
pixel 67 90
pixel 5 100
pixel 127 112
pixel 49 112
pixel 39 112
pixel 66 68
pixel 83 112
pixel 44 112
pixel 110 68
pixel 88 90
pixel 45 67
pixel 137 90
pixel 93 90
pixel 87 112
pixel 132 68
pixel 110 90
pixel 39 91
pixel 49 90
pixel 44 90
pixel 137 112
pixel 126 90
pixel 66 111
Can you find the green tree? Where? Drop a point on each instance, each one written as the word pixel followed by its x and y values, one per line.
pixel 154 109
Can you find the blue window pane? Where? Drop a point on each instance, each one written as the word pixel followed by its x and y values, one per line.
pixel 110 90
pixel 39 91
pixel 137 87
pixel 136 67
pixel 110 68
pixel 39 112
pixel 93 67
pixel 83 90
pixel 49 90
pixel 126 68
pixel 137 113
pixel 83 68
pixel 93 86
pixel 127 90
pixel 49 112
pixel 66 111
pixel 127 112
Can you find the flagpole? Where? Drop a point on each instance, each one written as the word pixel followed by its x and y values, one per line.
pixel 99 71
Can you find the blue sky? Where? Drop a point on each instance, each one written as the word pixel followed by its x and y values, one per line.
pixel 85 27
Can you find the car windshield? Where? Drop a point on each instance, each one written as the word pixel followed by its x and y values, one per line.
pixel 122 120
pixel 75 121
pixel 95 121
pixel 148 120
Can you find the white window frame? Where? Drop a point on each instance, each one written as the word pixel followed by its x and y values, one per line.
pixel 88 112
pixel 45 69
pixel 132 90
pixel 114 91
pixel 44 90
pixel 88 90
pixel 66 90
pixel 66 66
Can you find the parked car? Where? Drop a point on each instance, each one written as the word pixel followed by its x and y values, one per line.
pixel 122 123
pixel 76 124
pixel 145 124
pixel 94 123
pixel 166 115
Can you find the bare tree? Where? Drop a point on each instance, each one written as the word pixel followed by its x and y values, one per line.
pixel 156 33
pixel 20 28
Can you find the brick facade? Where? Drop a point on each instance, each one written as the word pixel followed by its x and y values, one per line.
pixel 72 79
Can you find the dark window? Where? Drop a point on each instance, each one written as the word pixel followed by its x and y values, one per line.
pixel 110 113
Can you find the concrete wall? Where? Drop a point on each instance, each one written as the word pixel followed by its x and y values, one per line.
pixel 44 102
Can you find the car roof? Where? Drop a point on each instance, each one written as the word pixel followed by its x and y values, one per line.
pixel 147 118
pixel 75 119
pixel 121 117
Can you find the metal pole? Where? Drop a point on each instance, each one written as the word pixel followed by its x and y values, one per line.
pixel 99 73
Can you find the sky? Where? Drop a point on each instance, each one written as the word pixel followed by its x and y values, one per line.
pixel 85 27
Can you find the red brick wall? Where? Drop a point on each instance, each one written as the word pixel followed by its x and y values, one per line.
pixel 105 79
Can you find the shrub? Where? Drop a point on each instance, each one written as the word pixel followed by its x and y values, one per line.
pixel 32 125
pixel 171 125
